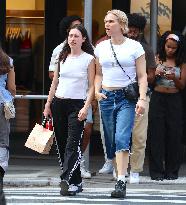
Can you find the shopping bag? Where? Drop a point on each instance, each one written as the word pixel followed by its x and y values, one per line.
pixel 40 139
pixel 9 110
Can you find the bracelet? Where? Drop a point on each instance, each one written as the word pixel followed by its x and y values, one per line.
pixel 143 99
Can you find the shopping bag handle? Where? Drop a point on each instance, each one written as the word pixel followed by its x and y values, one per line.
pixel 44 121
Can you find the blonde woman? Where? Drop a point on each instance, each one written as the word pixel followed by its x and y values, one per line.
pixel 120 61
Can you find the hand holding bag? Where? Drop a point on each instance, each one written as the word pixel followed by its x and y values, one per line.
pixel 9 108
pixel 132 90
pixel 40 139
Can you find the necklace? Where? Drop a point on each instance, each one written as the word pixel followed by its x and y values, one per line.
pixel 119 41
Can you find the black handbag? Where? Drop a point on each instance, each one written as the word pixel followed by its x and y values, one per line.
pixel 131 91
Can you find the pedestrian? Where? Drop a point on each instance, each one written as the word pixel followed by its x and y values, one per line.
pixel 70 95
pixel 119 61
pixel 165 109
pixel 7 93
pixel 136 24
pixel 64 25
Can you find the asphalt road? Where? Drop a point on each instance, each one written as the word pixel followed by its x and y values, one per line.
pixel 136 195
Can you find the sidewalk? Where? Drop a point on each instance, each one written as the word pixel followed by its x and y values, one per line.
pixel 44 171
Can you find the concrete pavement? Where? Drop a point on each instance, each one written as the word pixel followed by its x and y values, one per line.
pixel 43 170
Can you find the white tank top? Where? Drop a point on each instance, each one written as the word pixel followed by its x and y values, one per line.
pixel 73 77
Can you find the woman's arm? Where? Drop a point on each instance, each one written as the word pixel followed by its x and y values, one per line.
pixel 90 96
pixel 98 81
pixel 98 77
pixel 51 94
pixel 179 82
pixel 142 76
pixel 11 82
pixel 142 82
pixel 91 77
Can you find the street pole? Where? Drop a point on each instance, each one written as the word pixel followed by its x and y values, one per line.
pixel 153 24
pixel 88 17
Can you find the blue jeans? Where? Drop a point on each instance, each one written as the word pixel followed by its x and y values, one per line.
pixel 117 115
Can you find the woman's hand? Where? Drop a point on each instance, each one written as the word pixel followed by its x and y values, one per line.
pixel 83 114
pixel 47 111
pixel 140 107
pixel 159 72
pixel 100 96
pixel 170 76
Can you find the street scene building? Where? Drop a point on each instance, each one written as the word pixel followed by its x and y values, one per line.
pixel 29 32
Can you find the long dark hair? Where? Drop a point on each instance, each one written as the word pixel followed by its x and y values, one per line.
pixel 180 53
pixel 65 24
pixel 4 62
pixel 86 45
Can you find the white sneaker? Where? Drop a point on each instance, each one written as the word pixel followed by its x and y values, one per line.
pixel 75 188
pixel 107 168
pixel 72 188
pixel 84 173
pixel 134 178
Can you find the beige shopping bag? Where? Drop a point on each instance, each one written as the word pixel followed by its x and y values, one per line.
pixel 40 139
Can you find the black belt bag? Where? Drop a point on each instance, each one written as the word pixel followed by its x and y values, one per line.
pixel 131 91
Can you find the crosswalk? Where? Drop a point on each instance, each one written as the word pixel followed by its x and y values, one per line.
pixel 50 195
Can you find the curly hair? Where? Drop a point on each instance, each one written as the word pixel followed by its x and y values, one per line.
pixel 180 55
pixel 4 62
pixel 137 21
pixel 65 24
pixel 86 45
pixel 122 19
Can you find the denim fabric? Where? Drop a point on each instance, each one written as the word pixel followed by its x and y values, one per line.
pixel 5 95
pixel 4 139
pixel 117 115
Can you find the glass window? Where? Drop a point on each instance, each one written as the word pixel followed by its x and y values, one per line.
pixel 25 44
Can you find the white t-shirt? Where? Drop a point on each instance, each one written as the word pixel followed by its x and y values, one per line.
pixel 73 77
pixel 127 53
pixel 54 57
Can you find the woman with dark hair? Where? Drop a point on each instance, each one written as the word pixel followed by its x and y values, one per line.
pixel 165 110
pixel 7 92
pixel 70 95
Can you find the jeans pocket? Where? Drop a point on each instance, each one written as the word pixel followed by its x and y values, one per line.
pixel 104 92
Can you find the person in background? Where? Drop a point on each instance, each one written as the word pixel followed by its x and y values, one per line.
pixel 165 109
pixel 7 92
pixel 117 111
pixel 69 109
pixel 64 25
pixel 136 24
pixel 107 166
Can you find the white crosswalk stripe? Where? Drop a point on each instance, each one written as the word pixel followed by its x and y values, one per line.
pixel 50 195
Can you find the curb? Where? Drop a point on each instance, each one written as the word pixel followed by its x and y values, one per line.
pixel 53 181
pixel 31 182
